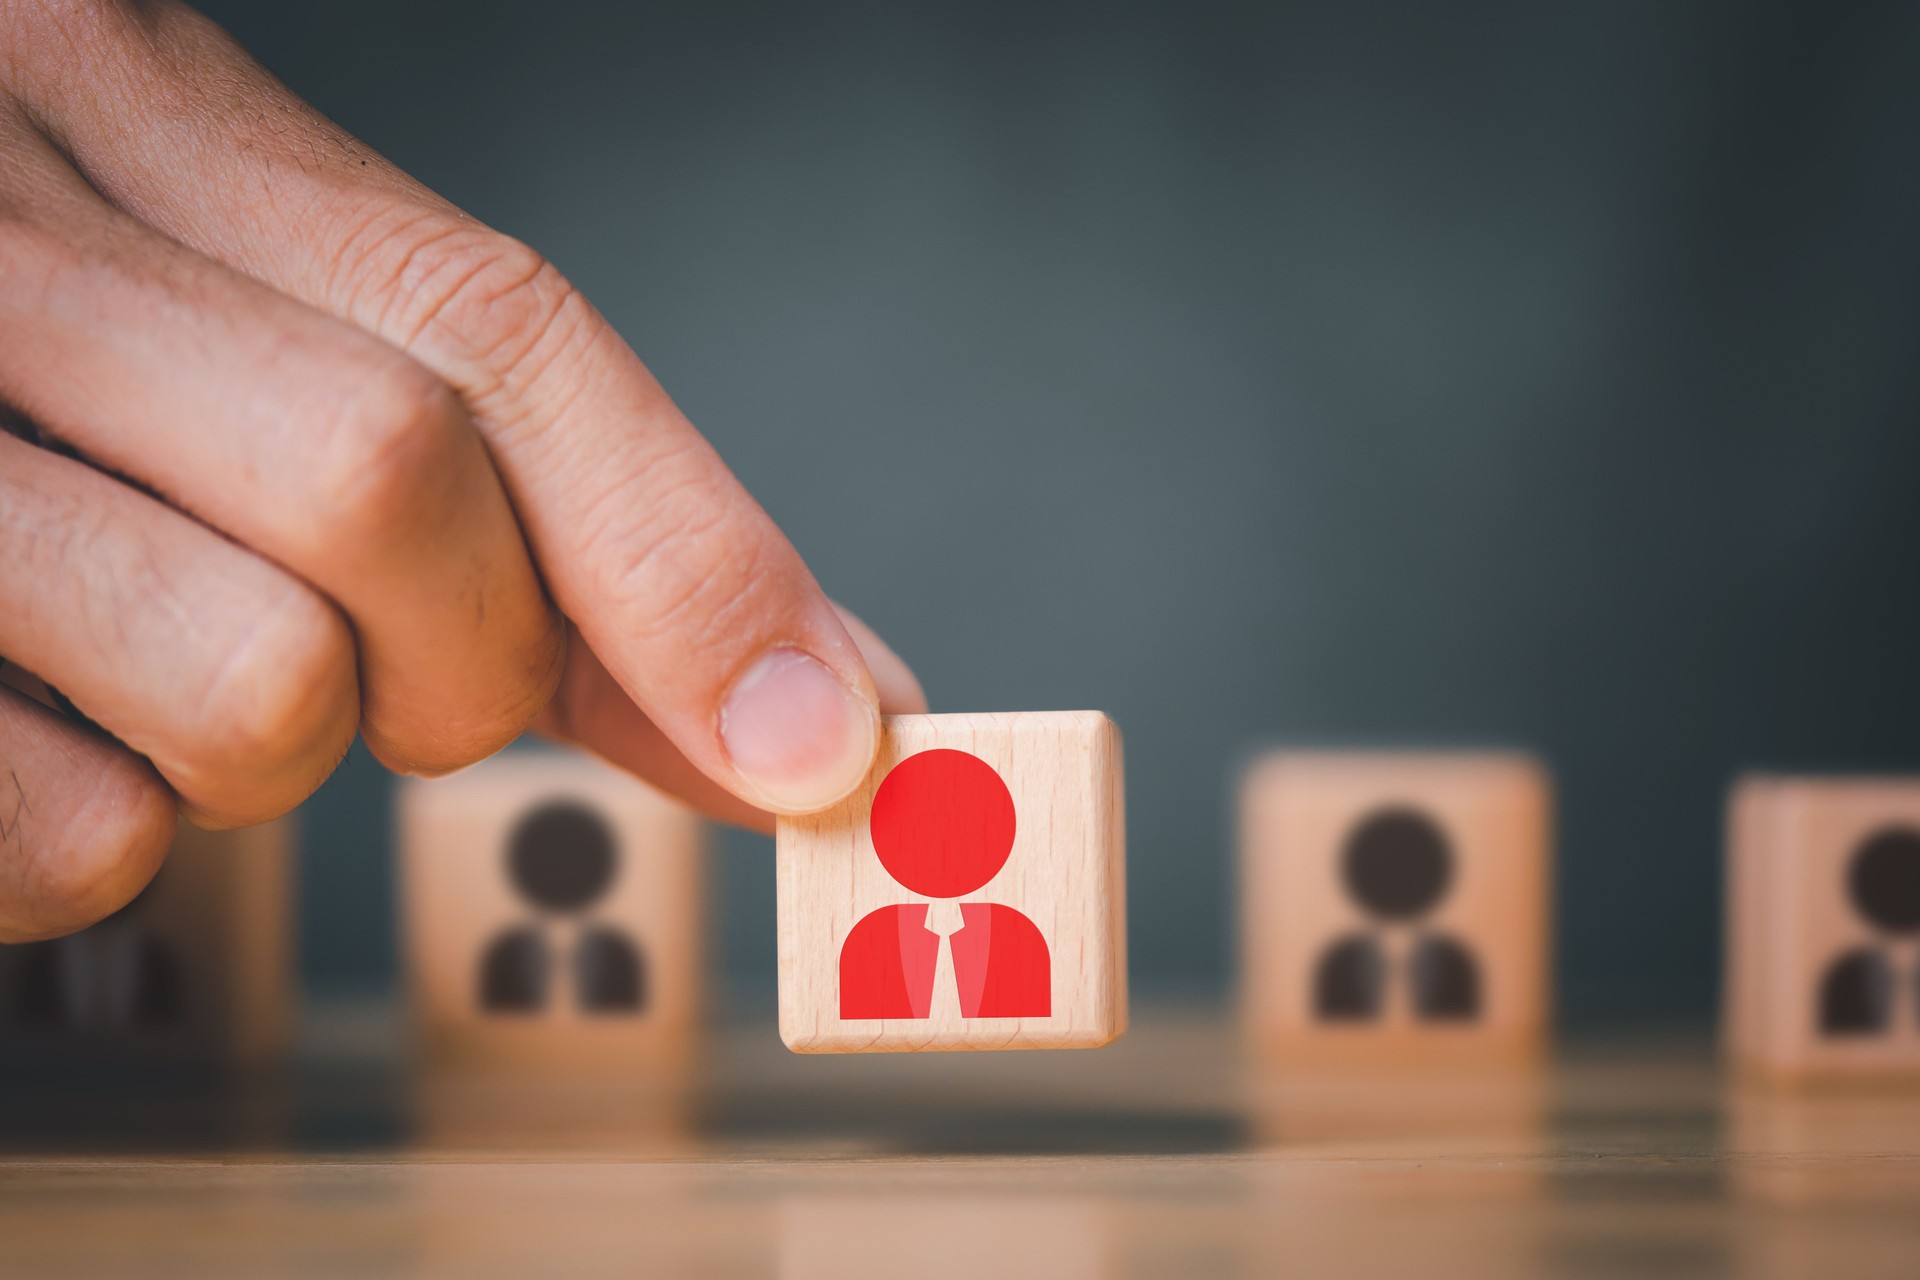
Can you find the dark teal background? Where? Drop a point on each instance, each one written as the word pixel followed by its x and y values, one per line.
pixel 1538 374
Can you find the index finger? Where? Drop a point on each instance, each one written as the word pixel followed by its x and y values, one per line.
pixel 692 598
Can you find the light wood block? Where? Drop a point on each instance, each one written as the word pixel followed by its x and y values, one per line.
pixel 1822 980
pixel 1002 832
pixel 1395 909
pixel 196 971
pixel 552 917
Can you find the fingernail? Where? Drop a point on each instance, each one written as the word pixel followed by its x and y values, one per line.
pixel 797 735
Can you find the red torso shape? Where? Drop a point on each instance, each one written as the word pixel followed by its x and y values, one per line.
pixel 1000 962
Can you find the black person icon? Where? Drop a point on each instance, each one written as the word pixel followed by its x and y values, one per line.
pixel 1397 865
pixel 117 976
pixel 1857 993
pixel 562 857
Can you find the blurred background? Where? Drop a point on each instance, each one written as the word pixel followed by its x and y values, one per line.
pixel 1480 373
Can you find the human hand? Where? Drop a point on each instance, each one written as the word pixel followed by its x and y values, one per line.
pixel 330 455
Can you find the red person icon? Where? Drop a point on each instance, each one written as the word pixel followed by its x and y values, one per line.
pixel 942 824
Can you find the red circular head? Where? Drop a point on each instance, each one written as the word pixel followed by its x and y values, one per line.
pixel 942 823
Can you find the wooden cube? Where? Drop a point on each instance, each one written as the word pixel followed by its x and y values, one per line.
pixel 1394 909
pixel 970 895
pixel 197 971
pixel 552 911
pixel 1823 929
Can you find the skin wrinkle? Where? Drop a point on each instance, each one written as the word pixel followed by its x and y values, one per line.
pixel 44 884
pixel 341 288
pixel 502 296
pixel 419 283
pixel 43 547
pixel 180 615
pixel 694 594
pixel 729 625
pixel 299 204
pixel 555 322
pixel 648 565
pixel 535 395
pixel 10 829
pixel 234 687
pixel 124 808
pixel 568 334
pixel 673 468
pixel 81 533
pixel 36 877
pixel 133 573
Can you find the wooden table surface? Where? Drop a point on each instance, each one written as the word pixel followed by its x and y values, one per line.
pixel 1156 1157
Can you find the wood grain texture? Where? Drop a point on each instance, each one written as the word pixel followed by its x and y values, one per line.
pixel 458 899
pixel 1649 1168
pixel 1298 812
pixel 1791 844
pixel 1066 873
pixel 198 971
pixel 945 1237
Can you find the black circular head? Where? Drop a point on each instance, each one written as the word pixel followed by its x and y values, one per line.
pixel 1396 863
pixel 1884 880
pixel 561 855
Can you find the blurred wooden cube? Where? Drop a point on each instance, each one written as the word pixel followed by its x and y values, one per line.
pixel 552 911
pixel 970 895
pixel 1394 909
pixel 197 971
pixel 1822 977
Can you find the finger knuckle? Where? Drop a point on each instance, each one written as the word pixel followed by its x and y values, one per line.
pixel 283 702
pixel 439 755
pixel 484 302
pixel 452 729
pixel 391 445
pixel 113 841
pixel 460 735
